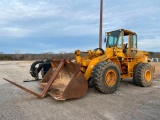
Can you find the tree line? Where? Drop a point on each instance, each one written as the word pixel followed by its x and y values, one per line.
pixel 36 56
pixel 18 56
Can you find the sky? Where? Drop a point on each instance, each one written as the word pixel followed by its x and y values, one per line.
pixel 58 26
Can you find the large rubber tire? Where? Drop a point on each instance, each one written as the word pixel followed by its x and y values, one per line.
pixel 144 75
pixel 135 71
pixel 33 68
pixel 105 77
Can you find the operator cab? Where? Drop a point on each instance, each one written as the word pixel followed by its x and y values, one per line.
pixel 123 41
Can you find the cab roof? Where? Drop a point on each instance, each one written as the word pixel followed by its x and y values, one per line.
pixel 126 32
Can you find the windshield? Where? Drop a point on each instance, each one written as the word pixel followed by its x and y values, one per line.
pixel 112 38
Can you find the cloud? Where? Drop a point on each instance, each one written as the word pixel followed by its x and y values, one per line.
pixel 52 21
pixel 21 10
pixel 40 16
pixel 149 44
pixel 14 32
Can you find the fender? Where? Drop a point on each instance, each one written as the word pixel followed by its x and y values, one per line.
pixel 91 65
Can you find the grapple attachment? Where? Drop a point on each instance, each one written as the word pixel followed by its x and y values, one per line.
pixel 63 81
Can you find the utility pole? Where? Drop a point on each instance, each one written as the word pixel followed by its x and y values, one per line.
pixel 100 25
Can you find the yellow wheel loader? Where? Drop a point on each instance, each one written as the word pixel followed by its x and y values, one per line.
pixel 121 58
pixel 68 79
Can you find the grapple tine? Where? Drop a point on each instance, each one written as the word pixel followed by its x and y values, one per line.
pixel 23 88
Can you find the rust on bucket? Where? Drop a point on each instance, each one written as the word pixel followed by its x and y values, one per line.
pixel 69 83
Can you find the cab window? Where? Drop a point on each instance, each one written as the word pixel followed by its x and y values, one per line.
pixel 112 38
pixel 119 42
pixel 134 41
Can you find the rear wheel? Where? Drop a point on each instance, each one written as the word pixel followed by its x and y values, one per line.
pixel 144 75
pixel 135 71
pixel 105 77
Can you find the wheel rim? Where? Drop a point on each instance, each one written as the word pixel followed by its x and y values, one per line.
pixel 148 75
pixel 110 78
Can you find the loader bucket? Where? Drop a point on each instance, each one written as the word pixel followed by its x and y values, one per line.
pixel 69 82
pixel 63 81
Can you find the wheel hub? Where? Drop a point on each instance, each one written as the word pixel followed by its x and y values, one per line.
pixel 148 75
pixel 110 78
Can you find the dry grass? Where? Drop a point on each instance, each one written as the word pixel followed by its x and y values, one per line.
pixel 157 69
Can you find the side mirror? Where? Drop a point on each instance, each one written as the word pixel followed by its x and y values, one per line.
pixel 105 40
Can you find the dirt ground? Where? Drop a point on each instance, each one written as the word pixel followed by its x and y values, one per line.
pixel 129 102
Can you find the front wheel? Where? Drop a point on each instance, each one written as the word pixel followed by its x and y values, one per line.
pixel 105 77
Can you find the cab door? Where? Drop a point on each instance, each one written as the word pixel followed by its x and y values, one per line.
pixel 119 46
pixel 133 45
